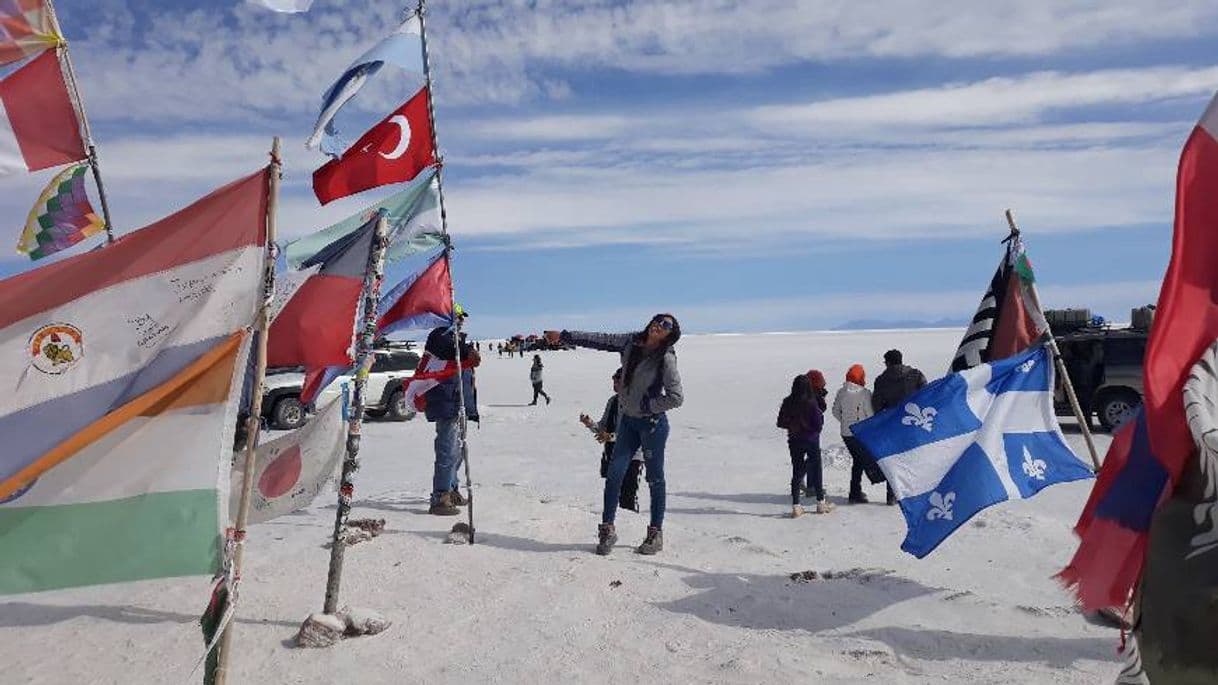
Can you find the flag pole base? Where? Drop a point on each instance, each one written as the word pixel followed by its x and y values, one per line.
pixel 327 630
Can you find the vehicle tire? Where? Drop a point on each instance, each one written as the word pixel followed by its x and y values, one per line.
pixel 288 413
pixel 1117 407
pixel 397 408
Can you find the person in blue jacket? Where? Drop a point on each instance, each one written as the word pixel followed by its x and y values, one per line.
pixel 441 409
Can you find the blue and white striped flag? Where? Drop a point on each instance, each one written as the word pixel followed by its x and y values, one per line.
pixel 969 440
pixel 403 48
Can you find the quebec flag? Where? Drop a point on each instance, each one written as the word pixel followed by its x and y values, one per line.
pixel 970 440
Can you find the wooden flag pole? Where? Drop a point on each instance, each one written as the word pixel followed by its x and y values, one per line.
pixel 253 424
pixel 1067 384
pixel 373 274
pixel 65 64
pixel 462 420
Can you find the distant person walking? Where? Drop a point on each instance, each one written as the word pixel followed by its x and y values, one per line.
pixel 892 387
pixel 651 386
pixel 851 405
pixel 535 378
pixel 604 432
pixel 802 416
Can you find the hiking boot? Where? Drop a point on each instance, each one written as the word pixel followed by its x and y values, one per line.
pixel 606 536
pixel 823 506
pixel 796 511
pixel 653 543
pixel 444 506
pixel 892 497
pixel 457 500
pixel 547 399
pixel 857 498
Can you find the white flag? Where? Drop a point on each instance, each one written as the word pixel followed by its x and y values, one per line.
pixel 291 470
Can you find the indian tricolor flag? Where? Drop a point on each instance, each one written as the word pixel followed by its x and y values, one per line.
pixel 120 371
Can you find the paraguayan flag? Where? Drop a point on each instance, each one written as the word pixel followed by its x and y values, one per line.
pixel 970 440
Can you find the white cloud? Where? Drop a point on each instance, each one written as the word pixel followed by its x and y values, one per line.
pixel 999 100
pixel 237 62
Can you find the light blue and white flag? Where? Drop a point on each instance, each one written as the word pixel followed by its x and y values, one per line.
pixel 969 440
pixel 414 223
pixel 403 48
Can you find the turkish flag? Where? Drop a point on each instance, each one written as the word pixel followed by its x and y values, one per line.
pixel 393 151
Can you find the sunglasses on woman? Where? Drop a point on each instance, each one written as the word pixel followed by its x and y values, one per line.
pixel 666 324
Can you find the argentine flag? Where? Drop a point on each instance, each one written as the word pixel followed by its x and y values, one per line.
pixel 970 440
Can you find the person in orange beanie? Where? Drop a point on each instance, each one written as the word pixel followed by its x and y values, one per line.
pixel 851 405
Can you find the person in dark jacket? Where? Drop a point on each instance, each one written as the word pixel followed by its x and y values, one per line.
pixel 651 386
pixel 535 379
pixel 802 416
pixel 896 383
pixel 604 432
pixel 442 409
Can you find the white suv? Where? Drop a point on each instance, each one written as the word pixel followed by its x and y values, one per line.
pixel 384 395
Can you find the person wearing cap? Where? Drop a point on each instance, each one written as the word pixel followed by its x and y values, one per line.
pixel 442 409
pixel 893 386
pixel 651 387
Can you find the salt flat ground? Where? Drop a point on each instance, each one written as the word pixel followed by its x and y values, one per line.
pixel 530 603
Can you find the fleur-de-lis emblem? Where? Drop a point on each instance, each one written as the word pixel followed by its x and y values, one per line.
pixel 922 418
pixel 940 506
pixel 1026 366
pixel 1035 468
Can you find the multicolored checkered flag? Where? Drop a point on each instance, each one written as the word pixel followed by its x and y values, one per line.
pixel 25 29
pixel 61 217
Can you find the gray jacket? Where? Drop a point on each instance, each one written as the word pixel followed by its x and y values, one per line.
pixel 535 374
pixel 656 385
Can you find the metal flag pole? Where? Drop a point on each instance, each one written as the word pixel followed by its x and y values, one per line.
pixel 262 325
pixel 448 250
pixel 1067 384
pixel 65 64
pixel 373 274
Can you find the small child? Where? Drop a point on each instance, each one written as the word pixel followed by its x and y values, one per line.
pixel 604 432
pixel 802 414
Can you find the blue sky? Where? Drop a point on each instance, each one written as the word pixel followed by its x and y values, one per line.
pixel 747 165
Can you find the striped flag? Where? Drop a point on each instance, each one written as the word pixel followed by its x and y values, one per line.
pixel 414 223
pixel 38 125
pixel 316 327
pixel 25 28
pixel 118 400
pixel 429 373
pixel 1007 320
pixel 423 299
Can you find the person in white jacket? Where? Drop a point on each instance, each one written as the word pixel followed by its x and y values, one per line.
pixel 851 405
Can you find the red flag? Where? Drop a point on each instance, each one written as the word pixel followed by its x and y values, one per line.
pixel 1146 460
pixel 393 151
pixel 316 327
pixel 38 125
pixel 1186 319
pixel 422 300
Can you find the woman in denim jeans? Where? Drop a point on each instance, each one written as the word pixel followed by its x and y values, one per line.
pixel 651 386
